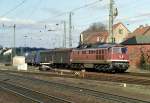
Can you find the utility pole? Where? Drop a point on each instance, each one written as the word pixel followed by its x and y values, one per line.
pixel 111 21
pixel 14 40
pixel 64 37
pixel 70 29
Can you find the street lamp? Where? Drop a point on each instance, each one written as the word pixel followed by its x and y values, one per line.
pixel 25 37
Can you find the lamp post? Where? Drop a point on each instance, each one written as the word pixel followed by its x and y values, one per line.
pixel 25 37
pixel 14 41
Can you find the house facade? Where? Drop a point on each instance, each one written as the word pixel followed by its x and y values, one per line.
pixel 120 34
pixel 93 37
pixel 141 30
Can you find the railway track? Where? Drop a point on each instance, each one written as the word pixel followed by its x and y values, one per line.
pixel 33 96
pixel 129 79
pixel 84 91
pixel 137 74
pixel 121 78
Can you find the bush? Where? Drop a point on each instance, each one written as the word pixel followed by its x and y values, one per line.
pixel 143 63
pixel 146 66
pixel 142 60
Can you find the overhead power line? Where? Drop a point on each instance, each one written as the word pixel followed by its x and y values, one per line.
pixel 85 6
pixel 75 9
pixel 35 8
pixel 14 8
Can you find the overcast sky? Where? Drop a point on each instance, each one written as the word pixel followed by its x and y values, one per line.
pixel 33 19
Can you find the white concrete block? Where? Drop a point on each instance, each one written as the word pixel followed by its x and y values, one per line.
pixel 22 67
pixel 18 60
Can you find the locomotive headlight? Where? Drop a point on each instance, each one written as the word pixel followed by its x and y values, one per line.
pixel 121 56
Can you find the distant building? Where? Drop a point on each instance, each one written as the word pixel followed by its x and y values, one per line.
pixel 138 44
pixel 141 30
pixel 93 37
pixel 120 34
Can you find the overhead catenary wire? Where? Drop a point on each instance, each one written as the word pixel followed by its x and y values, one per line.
pixel 85 6
pixel 35 8
pixel 13 9
pixel 73 10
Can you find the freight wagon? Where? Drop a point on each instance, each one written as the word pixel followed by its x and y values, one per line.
pixel 39 58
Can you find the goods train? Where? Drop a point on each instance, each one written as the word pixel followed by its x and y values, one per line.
pixel 103 58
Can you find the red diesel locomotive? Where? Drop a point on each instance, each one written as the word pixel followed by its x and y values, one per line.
pixel 104 58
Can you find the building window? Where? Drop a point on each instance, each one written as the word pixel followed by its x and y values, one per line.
pixel 120 31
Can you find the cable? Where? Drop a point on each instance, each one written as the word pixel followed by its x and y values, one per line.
pixel 75 9
pixel 35 9
pixel 14 8
pixel 85 6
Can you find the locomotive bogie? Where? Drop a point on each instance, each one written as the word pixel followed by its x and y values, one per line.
pixel 120 66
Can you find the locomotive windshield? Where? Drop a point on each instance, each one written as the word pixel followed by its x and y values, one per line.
pixel 119 50
pixel 123 50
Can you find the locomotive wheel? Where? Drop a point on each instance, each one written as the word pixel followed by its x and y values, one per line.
pixel 81 67
pixel 99 68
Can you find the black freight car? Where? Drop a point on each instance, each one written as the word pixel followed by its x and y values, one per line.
pixel 61 57
pixel 30 58
pixel 46 57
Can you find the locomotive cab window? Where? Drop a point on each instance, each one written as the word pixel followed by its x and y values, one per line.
pixel 119 50
pixel 116 50
pixel 124 50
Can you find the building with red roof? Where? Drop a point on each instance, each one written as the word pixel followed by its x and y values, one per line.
pixel 120 34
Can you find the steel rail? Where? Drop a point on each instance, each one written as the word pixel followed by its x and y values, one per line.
pixel 97 76
pixel 83 91
pixel 35 96
pixel 24 96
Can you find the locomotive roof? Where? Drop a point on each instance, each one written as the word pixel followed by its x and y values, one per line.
pixel 98 45
pixel 62 49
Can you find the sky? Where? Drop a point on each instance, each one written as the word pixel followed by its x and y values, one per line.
pixel 39 23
